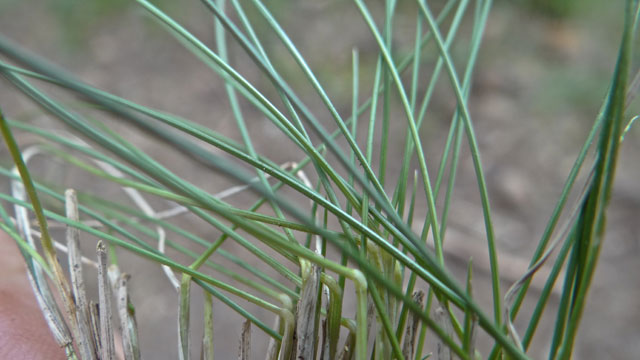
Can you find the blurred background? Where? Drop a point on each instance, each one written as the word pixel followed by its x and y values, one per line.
pixel 541 78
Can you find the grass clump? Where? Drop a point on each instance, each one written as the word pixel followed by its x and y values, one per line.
pixel 354 236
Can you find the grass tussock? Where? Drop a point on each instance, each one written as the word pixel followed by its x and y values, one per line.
pixel 354 239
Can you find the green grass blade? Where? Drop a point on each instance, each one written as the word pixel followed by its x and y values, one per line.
pixel 493 257
pixel 592 218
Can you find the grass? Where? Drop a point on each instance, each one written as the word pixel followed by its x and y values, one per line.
pixel 351 229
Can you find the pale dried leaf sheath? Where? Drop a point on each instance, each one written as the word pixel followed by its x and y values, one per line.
pixel 38 282
pixel 274 346
pixel 94 321
pixel 245 341
pixel 289 337
pixel 133 329
pixel 409 341
pixel 324 350
pixel 53 317
pixel 83 340
pixel 306 315
pixel 127 321
pixel 285 323
pixel 104 294
pixel 59 277
pixel 113 274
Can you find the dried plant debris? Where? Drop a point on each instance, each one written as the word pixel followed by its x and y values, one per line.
pixel 94 319
pixel 128 323
pixel 273 348
pixel 104 296
pixel 86 347
pixel 409 342
pixel 244 352
pixel 324 346
pixel 306 329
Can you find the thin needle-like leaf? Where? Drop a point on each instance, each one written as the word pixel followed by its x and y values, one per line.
pixel 462 107
pixel 184 318
pixel 592 217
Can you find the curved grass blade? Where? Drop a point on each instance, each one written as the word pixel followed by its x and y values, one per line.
pixel 473 144
pixel 56 109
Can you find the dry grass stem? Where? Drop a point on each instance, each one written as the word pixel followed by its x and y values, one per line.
pixel 306 314
pixel 287 320
pixel 39 284
pixel 104 294
pixel 411 331
pixel 94 320
pixel 245 341
pixel 274 346
pixel 324 345
pixel 127 320
pixel 52 316
pixel 84 341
